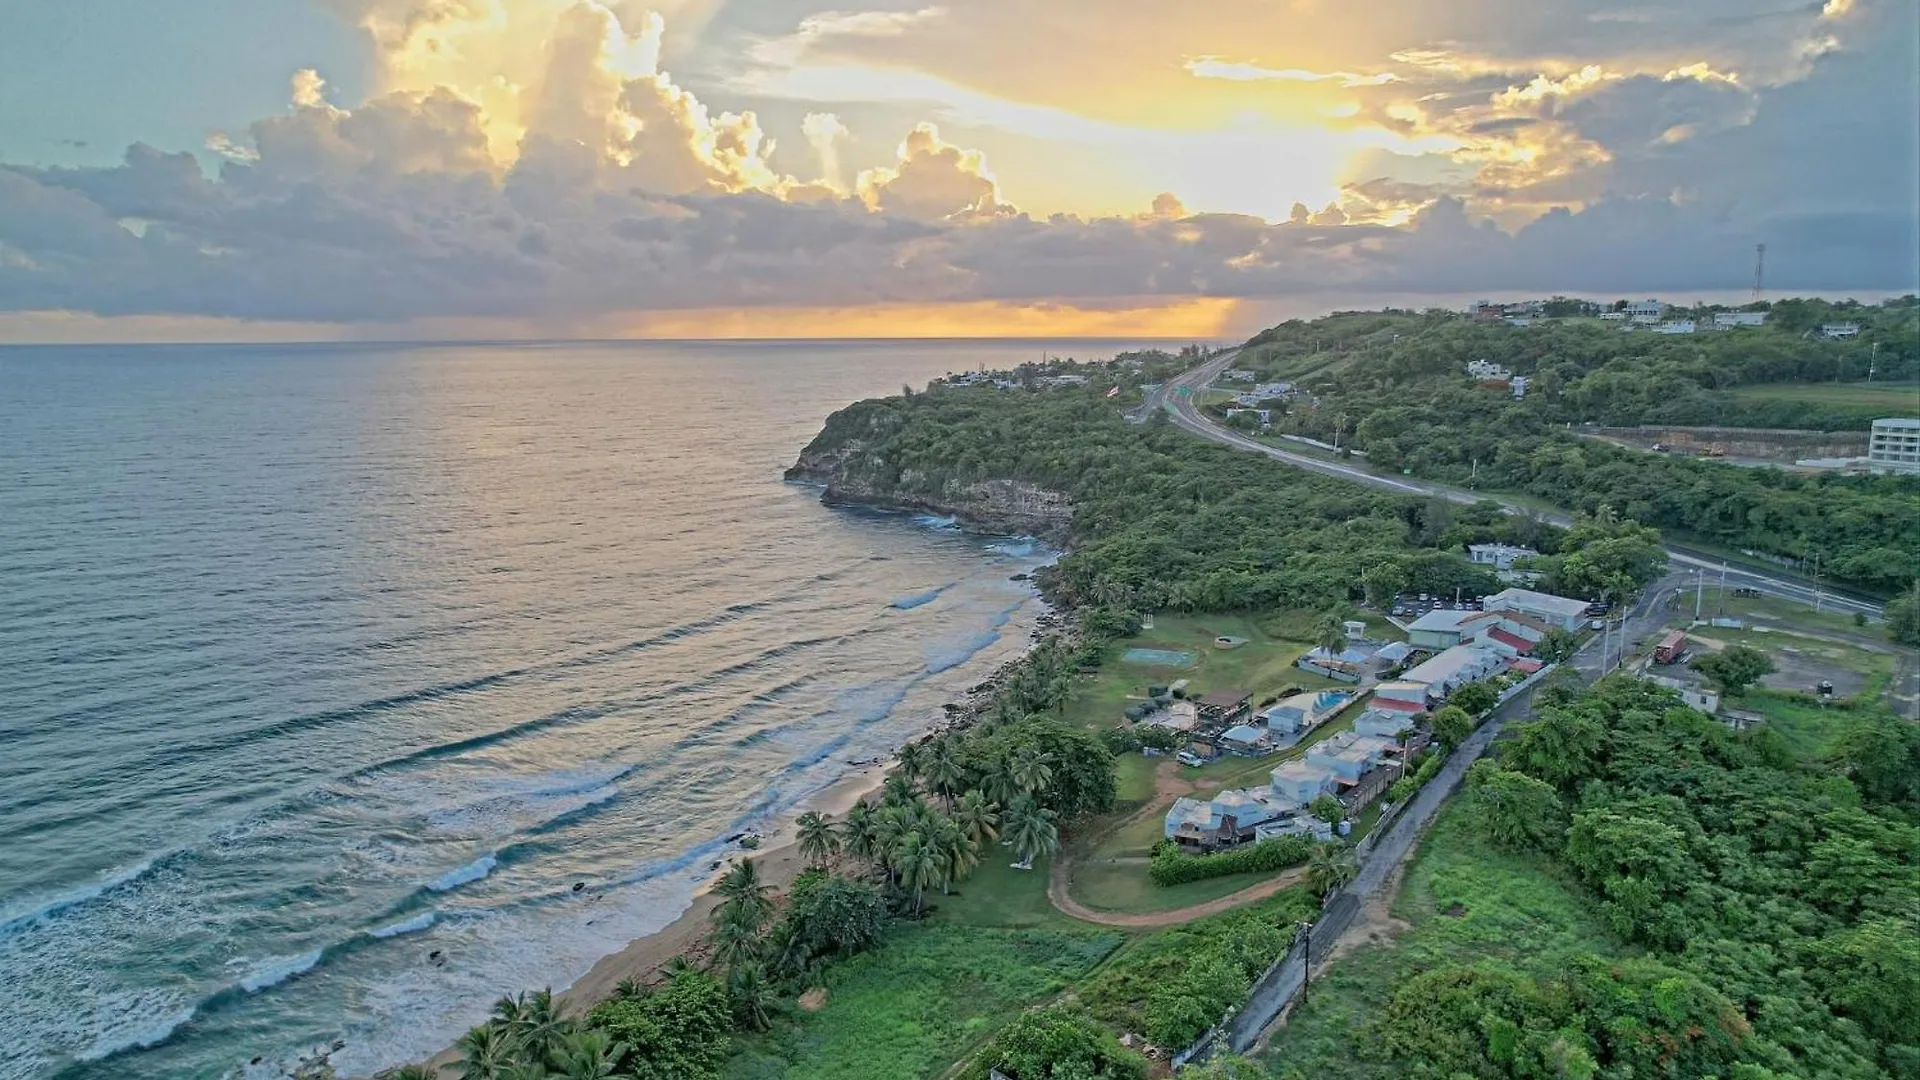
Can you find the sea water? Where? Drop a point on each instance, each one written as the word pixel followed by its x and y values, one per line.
pixel 328 672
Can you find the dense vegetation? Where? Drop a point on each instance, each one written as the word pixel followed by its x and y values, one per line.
pixel 1161 521
pixel 1770 903
pixel 1394 386
pixel 1171 866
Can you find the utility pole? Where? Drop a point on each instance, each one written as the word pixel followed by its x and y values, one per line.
pixel 1816 583
pixel 1306 956
pixel 1759 270
pixel 1699 591
pixel 1723 587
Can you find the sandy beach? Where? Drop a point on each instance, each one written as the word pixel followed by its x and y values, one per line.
pixel 780 862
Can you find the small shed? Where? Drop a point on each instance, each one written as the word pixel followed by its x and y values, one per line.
pixel 1244 739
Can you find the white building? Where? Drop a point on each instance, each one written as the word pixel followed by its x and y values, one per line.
pixel 1350 754
pixel 1498 556
pixel 1613 316
pixel 1298 783
pixel 1894 446
pixel 1840 330
pixel 1677 326
pixel 1520 384
pixel 1728 320
pixel 1487 369
pixel 1454 668
pixel 1637 309
pixel 1553 610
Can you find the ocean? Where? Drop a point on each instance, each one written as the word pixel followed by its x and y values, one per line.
pixel 318 661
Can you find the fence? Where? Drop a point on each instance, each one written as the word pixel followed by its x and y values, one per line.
pixel 1396 832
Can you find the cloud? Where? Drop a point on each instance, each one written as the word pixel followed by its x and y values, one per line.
pixel 1212 67
pixel 932 181
pixel 622 200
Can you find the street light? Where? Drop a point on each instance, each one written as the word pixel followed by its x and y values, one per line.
pixel 1306 956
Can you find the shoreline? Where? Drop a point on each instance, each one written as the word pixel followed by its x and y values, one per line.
pixel 778 857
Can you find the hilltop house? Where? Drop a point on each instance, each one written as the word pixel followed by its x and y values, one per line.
pixel 1840 330
pixel 1728 320
pixel 1498 556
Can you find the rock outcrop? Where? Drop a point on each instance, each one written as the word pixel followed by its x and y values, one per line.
pixel 851 477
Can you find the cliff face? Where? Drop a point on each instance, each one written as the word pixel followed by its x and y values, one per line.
pixel 851 475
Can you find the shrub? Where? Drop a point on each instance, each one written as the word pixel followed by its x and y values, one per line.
pixel 1171 866
pixel 1157 737
pixel 677 1032
pixel 1057 1043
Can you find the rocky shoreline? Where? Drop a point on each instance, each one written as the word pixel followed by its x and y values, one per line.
pixel 1001 507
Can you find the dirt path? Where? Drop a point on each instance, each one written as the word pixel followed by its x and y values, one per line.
pixel 1168 785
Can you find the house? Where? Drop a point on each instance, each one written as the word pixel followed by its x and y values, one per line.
pixel 1728 320
pixel 1557 611
pixel 1692 694
pixel 1298 783
pixel 1225 708
pixel 1499 556
pixel 1401 696
pixel 1269 391
pixel 1487 371
pixel 1348 665
pixel 1677 326
pixel 1246 740
pixel 1840 330
pixel 1296 825
pixel 1614 316
pixel 1637 309
pixel 1302 712
pixel 1438 629
pixel 1226 819
pixel 1265 416
pixel 1392 654
pixel 1456 667
pixel 1383 723
pixel 1349 754
pixel 1519 383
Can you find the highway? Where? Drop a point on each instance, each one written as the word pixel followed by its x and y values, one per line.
pixel 1181 409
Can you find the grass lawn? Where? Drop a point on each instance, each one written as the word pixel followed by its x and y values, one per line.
pixel 922 1000
pixel 1769 611
pixel 999 896
pixel 1114 876
pixel 1264 665
pixel 1465 904
pixel 1808 727
pixel 1893 396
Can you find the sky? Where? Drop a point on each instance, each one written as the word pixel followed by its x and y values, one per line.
pixel 300 169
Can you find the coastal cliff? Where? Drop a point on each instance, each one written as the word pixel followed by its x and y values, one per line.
pixel 853 473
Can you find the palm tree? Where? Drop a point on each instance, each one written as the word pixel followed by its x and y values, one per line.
pixel 977 817
pixel 958 851
pixel 735 942
pixel 484 1051
pixel 920 865
pixel 913 761
pixel 538 1024
pixel 998 786
pixel 818 841
pixel 745 892
pixel 1030 770
pixel 525 1070
pixel 897 789
pixel 753 995
pixel 1329 866
pixel 1031 830
pixel 1330 634
pixel 407 1072
pixel 588 1055
pixel 945 774
pixel 857 832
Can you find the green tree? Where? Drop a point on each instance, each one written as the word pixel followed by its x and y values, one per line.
pixel 921 866
pixel 1451 726
pixel 977 817
pixel 587 1055
pixel 1903 616
pixel 1475 697
pixel 837 915
pixel 1517 811
pixel 680 1031
pixel 1328 809
pixel 857 832
pixel 819 840
pixel 1330 633
pixel 1561 747
pixel 1383 581
pixel 1734 668
pixel 484 1051
pixel 745 896
pixel 752 996
pixel 945 774
pixel 1031 830
pixel 1030 770
pixel 1556 646
pixel 1056 1043
pixel 1329 866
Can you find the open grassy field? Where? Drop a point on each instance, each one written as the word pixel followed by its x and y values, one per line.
pixel 924 999
pixel 1463 903
pixel 1896 398
pixel 1264 665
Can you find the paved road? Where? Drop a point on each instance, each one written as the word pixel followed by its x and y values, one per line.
pixel 1185 414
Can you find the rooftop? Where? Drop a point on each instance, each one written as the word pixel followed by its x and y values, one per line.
pixel 1441 619
pixel 1539 601
pixel 1449 664
pixel 1225 699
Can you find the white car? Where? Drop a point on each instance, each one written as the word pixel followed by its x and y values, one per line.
pixel 1188 757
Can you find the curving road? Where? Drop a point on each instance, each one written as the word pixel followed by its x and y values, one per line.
pixel 1184 414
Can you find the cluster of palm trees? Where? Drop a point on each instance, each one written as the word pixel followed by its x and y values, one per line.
pixel 917 845
pixel 528 1038
pixel 744 950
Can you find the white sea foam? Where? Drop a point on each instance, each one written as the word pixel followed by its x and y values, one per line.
pixel 131 1021
pixel 406 926
pixel 275 970
pixel 459 876
pixel 12 920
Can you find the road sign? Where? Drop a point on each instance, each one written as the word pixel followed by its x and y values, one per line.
pixel 1186 391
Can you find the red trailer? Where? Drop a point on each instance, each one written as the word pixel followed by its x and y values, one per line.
pixel 1670 648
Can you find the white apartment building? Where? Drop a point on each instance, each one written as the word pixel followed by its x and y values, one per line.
pixel 1894 446
pixel 1728 320
pixel 1840 330
pixel 1677 326
pixel 1636 309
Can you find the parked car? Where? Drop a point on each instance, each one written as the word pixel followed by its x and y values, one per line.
pixel 1190 759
